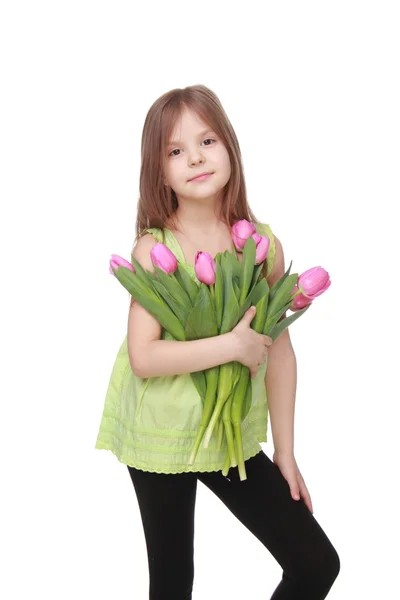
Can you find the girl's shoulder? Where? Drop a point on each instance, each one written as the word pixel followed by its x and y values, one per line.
pixel 156 232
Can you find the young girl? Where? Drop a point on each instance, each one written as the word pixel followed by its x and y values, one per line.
pixel 192 190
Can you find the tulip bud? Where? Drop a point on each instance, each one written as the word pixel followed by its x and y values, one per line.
pixel 299 301
pixel 241 231
pixel 314 282
pixel 163 258
pixel 261 248
pixel 117 261
pixel 205 268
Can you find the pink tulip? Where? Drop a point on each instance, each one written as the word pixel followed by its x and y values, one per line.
pixel 117 261
pixel 300 301
pixel 261 248
pixel 163 258
pixel 241 231
pixel 314 282
pixel 205 268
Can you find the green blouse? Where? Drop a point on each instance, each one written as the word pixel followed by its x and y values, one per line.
pixel 151 423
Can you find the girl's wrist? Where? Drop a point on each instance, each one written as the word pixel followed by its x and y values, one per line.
pixel 232 343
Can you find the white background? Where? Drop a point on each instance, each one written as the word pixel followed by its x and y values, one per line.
pixel 312 90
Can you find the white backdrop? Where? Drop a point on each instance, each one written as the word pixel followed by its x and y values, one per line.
pixel 312 90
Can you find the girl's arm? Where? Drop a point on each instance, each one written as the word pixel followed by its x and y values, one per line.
pixel 149 356
pixel 169 357
pixel 281 377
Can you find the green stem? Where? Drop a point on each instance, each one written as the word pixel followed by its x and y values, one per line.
pixel 212 423
pixel 196 445
pixel 220 434
pixel 226 372
pixel 211 392
pixel 227 465
pixel 226 416
pixel 239 451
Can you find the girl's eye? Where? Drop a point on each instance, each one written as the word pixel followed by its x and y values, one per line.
pixel 177 149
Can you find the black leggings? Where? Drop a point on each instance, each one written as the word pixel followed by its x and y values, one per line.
pixel 262 502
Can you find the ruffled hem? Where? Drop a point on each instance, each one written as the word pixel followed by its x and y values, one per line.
pixel 173 470
pixel 154 452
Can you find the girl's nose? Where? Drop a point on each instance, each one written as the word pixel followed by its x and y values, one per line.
pixel 196 158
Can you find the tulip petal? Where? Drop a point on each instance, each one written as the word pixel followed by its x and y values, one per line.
pixel 162 257
pixel 313 282
pixel 205 268
pixel 300 302
pixel 328 283
pixel 262 249
pixel 118 261
pixel 241 231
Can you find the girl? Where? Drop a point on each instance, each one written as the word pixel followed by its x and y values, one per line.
pixel 191 192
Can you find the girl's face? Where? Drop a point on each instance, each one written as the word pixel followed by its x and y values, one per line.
pixel 194 149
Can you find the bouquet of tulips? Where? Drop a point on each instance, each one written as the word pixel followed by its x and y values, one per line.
pixel 226 288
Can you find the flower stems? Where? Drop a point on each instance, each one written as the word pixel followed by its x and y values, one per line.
pixel 226 417
pixel 224 389
pixel 208 406
pixel 227 464
pixel 220 434
pixel 238 400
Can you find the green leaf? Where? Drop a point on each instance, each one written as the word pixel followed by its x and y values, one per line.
pixel 233 260
pixel 230 314
pixel 260 289
pixel 141 273
pixel 284 324
pixel 219 292
pixel 256 274
pixel 247 268
pixel 237 267
pixel 180 311
pixel 253 285
pixel 199 380
pixel 258 321
pixel 236 288
pixel 149 300
pixel 272 320
pixel 201 322
pixel 283 293
pixel 146 277
pixel 280 281
pixel 170 283
pixel 187 283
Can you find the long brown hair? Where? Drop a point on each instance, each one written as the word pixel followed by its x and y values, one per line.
pixel 157 202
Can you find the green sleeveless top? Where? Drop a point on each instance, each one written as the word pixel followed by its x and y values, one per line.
pixel 151 423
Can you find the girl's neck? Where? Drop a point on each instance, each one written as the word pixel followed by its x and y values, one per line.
pixel 195 240
pixel 198 228
pixel 198 219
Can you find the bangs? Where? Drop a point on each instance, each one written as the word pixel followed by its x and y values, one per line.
pixel 172 113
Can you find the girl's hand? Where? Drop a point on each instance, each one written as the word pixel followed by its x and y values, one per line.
pixel 252 347
pixel 290 471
